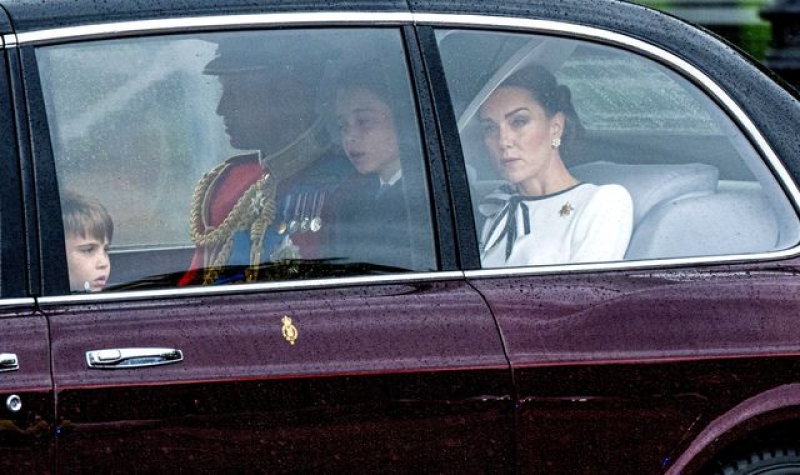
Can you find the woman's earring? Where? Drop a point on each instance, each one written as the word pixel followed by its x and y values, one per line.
pixel 556 142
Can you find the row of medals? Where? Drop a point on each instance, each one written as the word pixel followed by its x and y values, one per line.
pixel 306 215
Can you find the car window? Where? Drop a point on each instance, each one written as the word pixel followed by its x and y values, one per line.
pixel 237 157
pixel 579 152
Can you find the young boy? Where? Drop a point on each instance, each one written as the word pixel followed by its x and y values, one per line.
pixel 88 230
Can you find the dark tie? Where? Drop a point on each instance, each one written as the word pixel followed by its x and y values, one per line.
pixel 509 233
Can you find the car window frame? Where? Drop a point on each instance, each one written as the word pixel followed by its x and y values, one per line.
pixel 52 266
pixel 427 72
pixel 54 281
pixel 19 254
pixel 661 56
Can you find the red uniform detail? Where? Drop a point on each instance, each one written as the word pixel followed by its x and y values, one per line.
pixel 221 197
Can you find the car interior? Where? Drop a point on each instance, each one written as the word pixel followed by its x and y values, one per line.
pixel 699 187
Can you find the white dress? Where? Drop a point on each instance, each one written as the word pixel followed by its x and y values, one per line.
pixel 585 223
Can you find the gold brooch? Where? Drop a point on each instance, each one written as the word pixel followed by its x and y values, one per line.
pixel 289 331
pixel 566 209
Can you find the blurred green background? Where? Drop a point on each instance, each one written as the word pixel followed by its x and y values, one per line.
pixel 738 21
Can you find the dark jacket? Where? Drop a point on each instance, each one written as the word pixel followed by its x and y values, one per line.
pixel 368 228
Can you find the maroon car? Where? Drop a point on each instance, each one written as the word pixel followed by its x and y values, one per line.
pixel 273 237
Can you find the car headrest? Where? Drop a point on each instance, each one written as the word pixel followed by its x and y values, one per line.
pixel 650 185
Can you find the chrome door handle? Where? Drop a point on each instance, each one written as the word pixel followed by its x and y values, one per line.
pixel 8 362
pixel 127 358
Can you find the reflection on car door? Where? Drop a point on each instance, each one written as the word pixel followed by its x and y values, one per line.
pixel 405 377
pixel 611 361
pixel 561 333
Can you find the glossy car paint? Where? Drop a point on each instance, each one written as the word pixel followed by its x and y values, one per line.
pixel 640 359
pixel 31 15
pixel 236 383
pixel 634 370
pixel 26 441
pixel 655 359
pixel 406 376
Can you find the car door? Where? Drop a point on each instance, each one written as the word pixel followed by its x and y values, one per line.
pixel 620 363
pixel 321 360
pixel 27 415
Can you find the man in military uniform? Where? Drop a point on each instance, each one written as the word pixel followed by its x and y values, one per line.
pixel 267 205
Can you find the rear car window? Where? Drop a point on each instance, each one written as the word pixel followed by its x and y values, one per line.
pixel 657 170
pixel 239 156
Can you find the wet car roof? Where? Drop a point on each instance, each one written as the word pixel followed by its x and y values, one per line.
pixel 28 15
pixel 736 74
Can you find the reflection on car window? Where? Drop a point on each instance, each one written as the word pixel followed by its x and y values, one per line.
pixel 696 185
pixel 244 156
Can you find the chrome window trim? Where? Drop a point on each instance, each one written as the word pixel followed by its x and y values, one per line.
pixel 604 36
pixel 133 249
pixel 18 302
pixel 206 23
pixel 234 289
pixel 643 265
pixel 222 22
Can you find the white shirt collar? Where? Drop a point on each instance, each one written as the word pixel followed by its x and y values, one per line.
pixel 391 181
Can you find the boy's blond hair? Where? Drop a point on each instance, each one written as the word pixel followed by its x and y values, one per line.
pixel 84 216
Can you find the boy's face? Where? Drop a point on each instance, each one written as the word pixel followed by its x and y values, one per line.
pixel 89 266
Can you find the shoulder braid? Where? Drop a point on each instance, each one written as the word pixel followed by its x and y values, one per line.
pixel 254 211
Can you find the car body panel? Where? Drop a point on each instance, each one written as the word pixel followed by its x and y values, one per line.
pixel 778 404
pixel 605 360
pixel 667 357
pixel 632 354
pixel 30 15
pixel 27 413
pixel 389 375
pixel 26 435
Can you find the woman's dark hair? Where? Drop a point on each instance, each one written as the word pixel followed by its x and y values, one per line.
pixel 553 98
pixel 386 83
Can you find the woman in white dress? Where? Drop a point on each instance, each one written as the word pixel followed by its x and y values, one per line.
pixel 544 215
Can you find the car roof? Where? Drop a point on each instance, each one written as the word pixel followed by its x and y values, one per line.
pixel 30 15
pixel 733 72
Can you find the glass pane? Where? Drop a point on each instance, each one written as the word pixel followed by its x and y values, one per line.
pixel 599 154
pixel 242 156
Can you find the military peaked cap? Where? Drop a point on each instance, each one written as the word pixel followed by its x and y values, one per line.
pixel 271 51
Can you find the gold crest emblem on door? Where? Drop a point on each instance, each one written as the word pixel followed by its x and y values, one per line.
pixel 289 331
